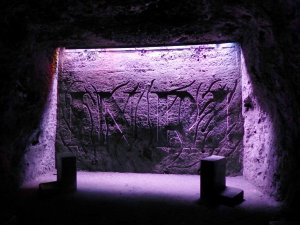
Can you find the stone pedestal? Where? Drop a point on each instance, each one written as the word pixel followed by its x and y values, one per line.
pixel 49 188
pixel 213 181
pixel 67 172
pixel 231 196
pixel 66 176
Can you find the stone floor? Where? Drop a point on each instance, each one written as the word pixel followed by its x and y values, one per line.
pixel 128 198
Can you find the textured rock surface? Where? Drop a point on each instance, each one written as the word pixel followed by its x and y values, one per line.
pixel 258 155
pixel 39 156
pixel 268 32
pixel 151 109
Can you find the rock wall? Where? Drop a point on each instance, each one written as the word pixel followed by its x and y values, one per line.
pixel 39 156
pixel 268 32
pixel 151 109
pixel 258 155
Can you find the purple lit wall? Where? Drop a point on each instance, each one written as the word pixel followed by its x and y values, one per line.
pixel 158 109
pixel 39 157
pixel 268 32
pixel 259 152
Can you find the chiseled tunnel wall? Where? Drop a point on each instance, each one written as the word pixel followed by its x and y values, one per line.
pixel 268 32
pixel 158 109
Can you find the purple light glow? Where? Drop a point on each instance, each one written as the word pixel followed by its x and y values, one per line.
pixel 39 158
pixel 125 198
pixel 183 189
pixel 258 139
pixel 171 68
pixel 156 109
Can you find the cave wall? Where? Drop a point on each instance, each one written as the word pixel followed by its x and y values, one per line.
pixel 258 141
pixel 158 109
pixel 39 155
pixel 268 32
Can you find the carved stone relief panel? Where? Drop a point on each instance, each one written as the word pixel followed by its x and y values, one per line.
pixel 157 110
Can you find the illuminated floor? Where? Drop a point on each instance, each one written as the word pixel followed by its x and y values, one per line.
pixel 127 198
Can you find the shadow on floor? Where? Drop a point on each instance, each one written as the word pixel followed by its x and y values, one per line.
pixel 133 206
pixel 92 208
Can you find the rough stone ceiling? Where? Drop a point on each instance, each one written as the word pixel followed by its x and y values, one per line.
pixel 130 22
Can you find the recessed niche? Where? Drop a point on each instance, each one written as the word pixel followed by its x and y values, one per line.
pixel 151 109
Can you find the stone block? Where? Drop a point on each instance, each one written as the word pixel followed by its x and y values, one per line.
pixel 49 188
pixel 67 172
pixel 231 196
pixel 212 179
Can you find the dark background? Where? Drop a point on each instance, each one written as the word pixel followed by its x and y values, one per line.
pixel 268 32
